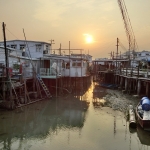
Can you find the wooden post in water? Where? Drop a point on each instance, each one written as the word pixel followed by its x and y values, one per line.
pixel 56 78
pixel 139 87
pixel 126 70
pixel 126 84
pixel 147 89
pixel 138 69
pixel 121 82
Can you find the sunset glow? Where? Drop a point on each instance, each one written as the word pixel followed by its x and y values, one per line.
pixel 88 38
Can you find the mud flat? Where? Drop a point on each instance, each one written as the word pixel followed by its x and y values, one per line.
pixel 119 101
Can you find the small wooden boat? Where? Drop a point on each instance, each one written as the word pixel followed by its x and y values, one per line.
pixel 145 124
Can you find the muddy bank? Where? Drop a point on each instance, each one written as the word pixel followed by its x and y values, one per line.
pixel 119 101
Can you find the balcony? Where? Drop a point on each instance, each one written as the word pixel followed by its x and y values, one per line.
pixel 50 73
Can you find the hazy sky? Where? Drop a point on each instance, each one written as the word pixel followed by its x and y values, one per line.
pixel 74 20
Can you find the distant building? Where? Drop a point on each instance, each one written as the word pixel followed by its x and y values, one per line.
pixel 143 54
pixel 34 49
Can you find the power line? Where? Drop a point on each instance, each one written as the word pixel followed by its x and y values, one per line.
pixel 12 34
pixel 128 27
pixel 122 46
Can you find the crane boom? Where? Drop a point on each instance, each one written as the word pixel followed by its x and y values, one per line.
pixel 128 27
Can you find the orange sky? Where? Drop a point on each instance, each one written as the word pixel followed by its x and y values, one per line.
pixel 65 21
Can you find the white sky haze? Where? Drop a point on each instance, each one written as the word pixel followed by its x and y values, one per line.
pixel 65 21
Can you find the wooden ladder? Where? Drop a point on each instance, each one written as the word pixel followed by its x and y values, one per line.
pixel 14 91
pixel 44 86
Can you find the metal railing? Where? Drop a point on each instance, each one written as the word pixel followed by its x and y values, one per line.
pixel 48 72
pixel 134 72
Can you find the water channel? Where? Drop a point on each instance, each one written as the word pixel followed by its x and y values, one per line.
pixel 70 122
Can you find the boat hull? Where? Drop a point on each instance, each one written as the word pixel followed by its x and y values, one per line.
pixel 145 124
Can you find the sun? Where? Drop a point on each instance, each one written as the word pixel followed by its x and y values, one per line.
pixel 88 38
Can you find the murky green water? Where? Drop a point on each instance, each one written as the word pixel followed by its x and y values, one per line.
pixel 69 123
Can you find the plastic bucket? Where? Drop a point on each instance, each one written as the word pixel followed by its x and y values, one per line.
pixel 143 99
pixel 146 104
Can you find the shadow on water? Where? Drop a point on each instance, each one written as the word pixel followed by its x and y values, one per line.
pixel 144 136
pixel 42 119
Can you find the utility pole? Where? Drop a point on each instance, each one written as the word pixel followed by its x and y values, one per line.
pixel 110 55
pixel 6 52
pixel 51 42
pixel 117 48
pixel 113 55
pixel 9 88
pixel 60 49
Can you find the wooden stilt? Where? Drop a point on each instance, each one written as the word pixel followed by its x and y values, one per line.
pixel 126 84
pixel 147 89
pixel 139 87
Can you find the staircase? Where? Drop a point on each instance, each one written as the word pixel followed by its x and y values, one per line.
pixel 18 102
pixel 43 86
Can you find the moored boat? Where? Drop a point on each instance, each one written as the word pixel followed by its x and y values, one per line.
pixel 143 121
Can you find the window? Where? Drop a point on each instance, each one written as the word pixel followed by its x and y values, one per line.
pixel 73 64
pixel 79 64
pixel 45 52
pixel 84 64
pixel 63 64
pixel 47 47
pixel 68 66
pixel 14 46
pixel 22 47
pixel 38 47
